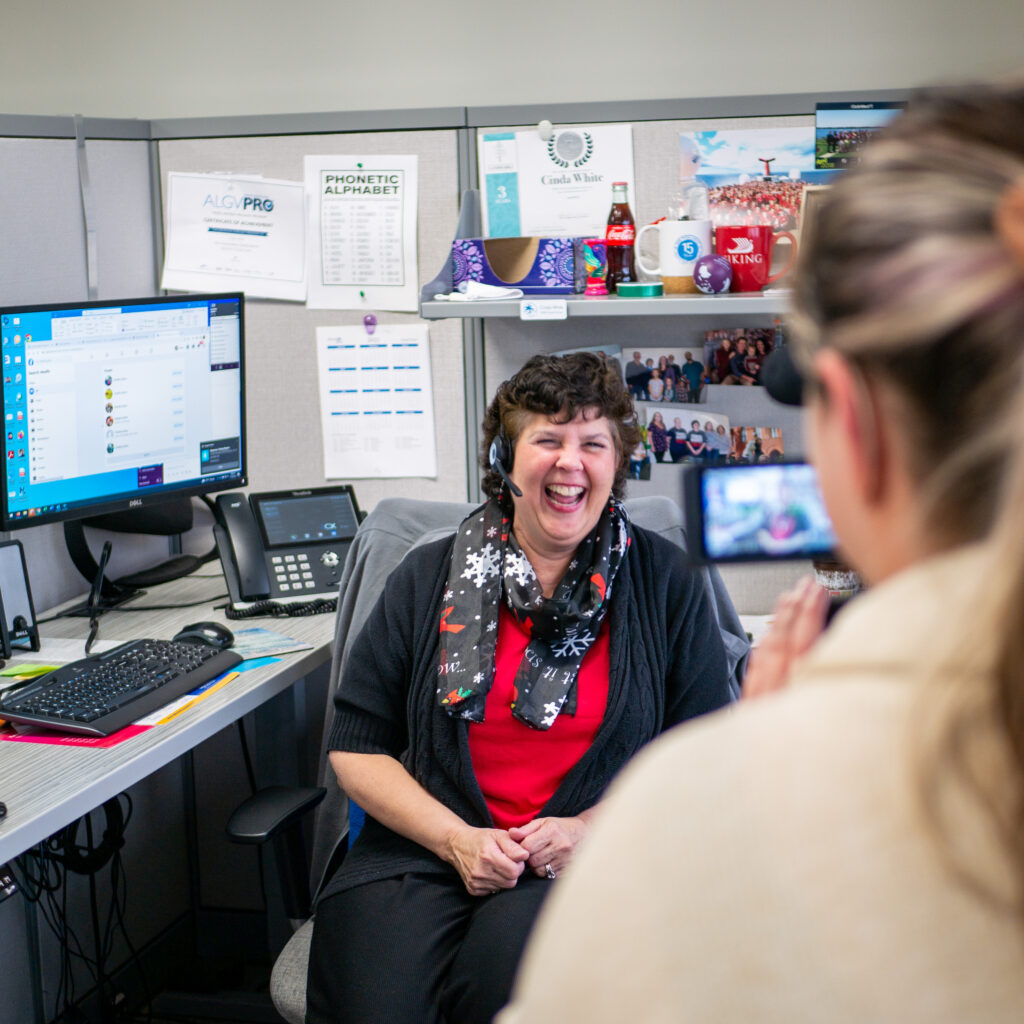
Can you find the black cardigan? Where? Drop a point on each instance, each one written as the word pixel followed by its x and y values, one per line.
pixel 667 665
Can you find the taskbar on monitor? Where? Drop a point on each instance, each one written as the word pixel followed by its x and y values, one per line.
pixel 90 508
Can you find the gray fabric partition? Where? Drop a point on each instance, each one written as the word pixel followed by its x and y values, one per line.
pixel 283 406
pixel 508 343
pixel 43 259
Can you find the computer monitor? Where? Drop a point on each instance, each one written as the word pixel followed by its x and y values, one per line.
pixel 110 406
pixel 122 410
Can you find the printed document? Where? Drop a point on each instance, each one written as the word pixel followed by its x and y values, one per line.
pixel 227 233
pixel 362 232
pixel 556 188
pixel 376 401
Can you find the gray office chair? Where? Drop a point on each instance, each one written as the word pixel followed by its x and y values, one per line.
pixel 394 527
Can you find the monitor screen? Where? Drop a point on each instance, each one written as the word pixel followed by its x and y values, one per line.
pixel 120 405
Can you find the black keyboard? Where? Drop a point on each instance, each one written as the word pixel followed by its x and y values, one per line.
pixel 99 695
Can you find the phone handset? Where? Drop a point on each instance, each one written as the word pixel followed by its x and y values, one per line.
pixel 240 547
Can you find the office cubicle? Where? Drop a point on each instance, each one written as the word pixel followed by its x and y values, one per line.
pixel 82 209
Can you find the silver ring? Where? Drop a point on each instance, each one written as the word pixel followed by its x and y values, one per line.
pixel 550 872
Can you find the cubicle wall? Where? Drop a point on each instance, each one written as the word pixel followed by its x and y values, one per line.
pixel 285 448
pixel 50 220
pixel 124 165
pixel 283 415
pixel 508 342
pixel 44 258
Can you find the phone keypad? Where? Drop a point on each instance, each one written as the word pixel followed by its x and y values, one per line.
pixel 292 572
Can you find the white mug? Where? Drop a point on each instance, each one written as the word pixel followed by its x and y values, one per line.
pixel 680 244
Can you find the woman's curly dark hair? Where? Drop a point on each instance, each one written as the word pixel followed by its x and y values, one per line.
pixel 560 387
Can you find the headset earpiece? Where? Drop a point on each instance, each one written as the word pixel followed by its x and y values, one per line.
pixel 499 456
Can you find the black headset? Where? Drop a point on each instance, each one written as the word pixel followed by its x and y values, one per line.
pixel 500 458
pixel 85 860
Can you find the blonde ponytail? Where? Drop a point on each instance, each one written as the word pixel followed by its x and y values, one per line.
pixel 906 274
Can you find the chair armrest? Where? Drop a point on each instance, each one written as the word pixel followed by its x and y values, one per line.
pixel 275 814
pixel 270 811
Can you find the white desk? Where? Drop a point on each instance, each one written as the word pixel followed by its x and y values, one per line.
pixel 48 787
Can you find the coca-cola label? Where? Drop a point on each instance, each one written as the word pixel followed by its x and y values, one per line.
pixel 620 234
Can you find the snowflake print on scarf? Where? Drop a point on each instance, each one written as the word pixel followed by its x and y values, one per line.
pixel 517 567
pixel 482 565
pixel 573 644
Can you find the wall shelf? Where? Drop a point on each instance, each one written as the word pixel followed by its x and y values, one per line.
pixel 774 303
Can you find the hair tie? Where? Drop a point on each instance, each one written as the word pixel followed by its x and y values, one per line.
pixel 1008 220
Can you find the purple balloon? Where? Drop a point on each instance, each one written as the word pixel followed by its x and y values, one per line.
pixel 370 323
pixel 712 274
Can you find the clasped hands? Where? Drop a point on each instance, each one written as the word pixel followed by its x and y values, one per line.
pixel 489 859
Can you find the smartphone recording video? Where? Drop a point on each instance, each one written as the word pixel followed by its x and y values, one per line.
pixel 754 513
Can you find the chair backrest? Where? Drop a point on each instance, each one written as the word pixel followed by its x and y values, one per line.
pixel 397 525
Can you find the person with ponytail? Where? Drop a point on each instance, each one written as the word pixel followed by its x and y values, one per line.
pixel 507 672
pixel 849 845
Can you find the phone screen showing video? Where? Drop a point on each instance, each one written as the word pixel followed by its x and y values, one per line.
pixel 764 511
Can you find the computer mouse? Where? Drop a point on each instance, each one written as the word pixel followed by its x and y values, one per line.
pixel 213 633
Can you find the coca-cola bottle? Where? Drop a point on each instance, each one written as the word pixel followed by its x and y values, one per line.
pixel 619 238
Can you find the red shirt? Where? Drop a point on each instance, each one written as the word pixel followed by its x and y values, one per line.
pixel 519 767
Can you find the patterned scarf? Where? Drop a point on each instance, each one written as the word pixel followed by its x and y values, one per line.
pixel 488 564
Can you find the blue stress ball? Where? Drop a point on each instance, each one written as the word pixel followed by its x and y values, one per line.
pixel 712 274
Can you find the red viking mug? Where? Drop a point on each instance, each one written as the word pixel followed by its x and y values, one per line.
pixel 749 248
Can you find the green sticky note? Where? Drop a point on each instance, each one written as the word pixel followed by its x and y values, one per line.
pixel 26 671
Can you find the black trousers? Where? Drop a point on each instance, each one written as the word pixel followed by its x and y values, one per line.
pixel 418 949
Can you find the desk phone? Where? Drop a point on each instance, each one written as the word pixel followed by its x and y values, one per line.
pixel 285 546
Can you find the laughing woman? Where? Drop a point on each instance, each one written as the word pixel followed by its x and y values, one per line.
pixel 505 676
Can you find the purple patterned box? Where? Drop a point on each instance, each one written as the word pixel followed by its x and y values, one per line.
pixel 536 265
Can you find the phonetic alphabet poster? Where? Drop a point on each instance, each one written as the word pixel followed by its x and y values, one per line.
pixel 376 401
pixel 362 232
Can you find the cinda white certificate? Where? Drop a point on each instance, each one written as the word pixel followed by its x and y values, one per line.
pixel 376 401
pixel 362 232
pixel 556 187
pixel 228 233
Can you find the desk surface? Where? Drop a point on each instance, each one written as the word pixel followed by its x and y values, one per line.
pixel 48 787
